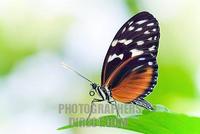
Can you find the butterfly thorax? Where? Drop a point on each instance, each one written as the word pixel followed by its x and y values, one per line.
pixel 102 92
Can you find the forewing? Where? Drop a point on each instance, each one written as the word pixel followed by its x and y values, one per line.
pixel 139 35
pixel 133 51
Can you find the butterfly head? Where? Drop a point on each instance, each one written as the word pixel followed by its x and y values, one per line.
pixel 93 90
pixel 94 85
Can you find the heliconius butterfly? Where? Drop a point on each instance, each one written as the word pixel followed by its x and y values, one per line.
pixel 129 70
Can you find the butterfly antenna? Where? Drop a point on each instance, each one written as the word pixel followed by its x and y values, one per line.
pixel 70 68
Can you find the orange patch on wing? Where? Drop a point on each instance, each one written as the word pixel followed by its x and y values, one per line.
pixel 133 86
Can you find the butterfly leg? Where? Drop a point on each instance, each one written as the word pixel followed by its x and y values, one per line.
pixel 143 103
pixel 91 107
pixel 115 104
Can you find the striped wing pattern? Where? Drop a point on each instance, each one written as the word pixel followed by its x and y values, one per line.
pixel 130 67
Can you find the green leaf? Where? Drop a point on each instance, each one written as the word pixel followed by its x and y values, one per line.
pixel 175 82
pixel 149 123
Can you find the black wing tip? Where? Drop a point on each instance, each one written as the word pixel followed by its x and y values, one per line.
pixel 144 15
pixel 144 12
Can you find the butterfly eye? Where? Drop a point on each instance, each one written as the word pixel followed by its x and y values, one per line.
pixel 94 85
pixel 91 93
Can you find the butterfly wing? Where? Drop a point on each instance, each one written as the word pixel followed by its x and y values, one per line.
pixel 130 67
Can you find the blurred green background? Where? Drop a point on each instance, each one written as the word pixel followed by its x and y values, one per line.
pixel 36 35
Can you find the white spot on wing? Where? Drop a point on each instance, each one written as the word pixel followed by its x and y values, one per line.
pixel 125 42
pixel 154 29
pixel 141 58
pixel 150 63
pixel 128 42
pixel 122 41
pixel 136 52
pixel 130 23
pixel 150 38
pixel 138 29
pixel 130 28
pixel 112 57
pixel 155 38
pixel 114 43
pixel 124 29
pixel 150 24
pixel 147 32
pixel 140 42
pixel 141 22
pixel 152 48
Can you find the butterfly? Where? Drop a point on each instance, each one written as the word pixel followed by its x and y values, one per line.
pixel 130 68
